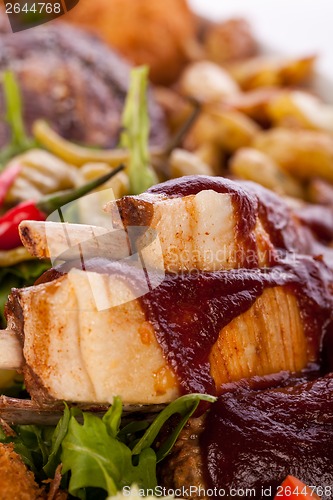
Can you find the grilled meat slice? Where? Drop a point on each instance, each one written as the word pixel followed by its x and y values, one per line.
pixel 196 222
pixel 52 239
pixel 73 351
pixel 212 223
pixel 74 81
pixel 194 232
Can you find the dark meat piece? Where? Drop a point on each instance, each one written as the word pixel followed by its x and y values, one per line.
pixel 254 439
pixel 184 466
pixel 74 81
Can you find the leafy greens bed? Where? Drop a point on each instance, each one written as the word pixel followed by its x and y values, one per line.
pixel 102 454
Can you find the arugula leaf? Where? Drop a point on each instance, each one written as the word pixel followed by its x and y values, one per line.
pixel 184 406
pixel 58 435
pixel 96 456
pixel 135 121
pixel 112 418
pixel 96 459
pixel 29 442
pixel 19 141
pixel 17 276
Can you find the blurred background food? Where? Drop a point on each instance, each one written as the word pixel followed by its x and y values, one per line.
pixel 145 32
pixel 74 81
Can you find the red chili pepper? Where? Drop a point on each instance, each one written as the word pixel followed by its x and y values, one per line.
pixel 9 234
pixel 293 489
pixel 31 210
pixel 7 177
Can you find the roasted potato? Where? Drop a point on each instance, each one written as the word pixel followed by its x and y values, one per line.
pixel 183 162
pixel 303 153
pixel 207 82
pixel 254 103
pixel 177 109
pixel 228 129
pixel 212 155
pixel 253 165
pixel 320 192
pixel 300 109
pixel 268 71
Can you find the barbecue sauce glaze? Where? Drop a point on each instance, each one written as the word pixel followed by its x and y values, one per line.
pixel 188 311
pixel 254 438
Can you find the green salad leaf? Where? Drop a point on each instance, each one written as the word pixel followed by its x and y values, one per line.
pixel 58 435
pixel 32 444
pixel 100 456
pixel 96 459
pixel 135 136
pixel 185 406
pixel 97 456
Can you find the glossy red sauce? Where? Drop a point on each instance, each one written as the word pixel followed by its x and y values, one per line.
pixel 188 312
pixel 319 219
pixel 254 438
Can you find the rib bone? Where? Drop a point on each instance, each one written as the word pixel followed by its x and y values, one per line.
pixel 11 357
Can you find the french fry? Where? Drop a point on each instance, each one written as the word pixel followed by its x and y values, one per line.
pixel 303 153
pixel 253 165
pixel 264 71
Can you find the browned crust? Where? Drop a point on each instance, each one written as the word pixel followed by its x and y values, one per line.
pixel 183 467
pixel 15 320
pixel 30 242
pixel 16 482
pixel 133 211
pixel 14 315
